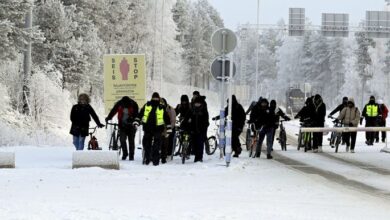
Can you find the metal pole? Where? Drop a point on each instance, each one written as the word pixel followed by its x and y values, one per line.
pixel 257 49
pixel 222 111
pixel 27 64
pixel 228 149
pixel 154 43
pixel 162 46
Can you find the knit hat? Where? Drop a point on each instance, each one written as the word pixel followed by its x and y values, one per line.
pixel 155 95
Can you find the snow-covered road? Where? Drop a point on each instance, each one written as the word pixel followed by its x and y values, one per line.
pixel 43 186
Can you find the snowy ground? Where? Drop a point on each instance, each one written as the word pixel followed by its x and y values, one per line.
pixel 43 186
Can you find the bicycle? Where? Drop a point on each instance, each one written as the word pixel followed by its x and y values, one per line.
pixel 185 144
pixel 254 139
pixel 336 137
pixel 282 136
pixel 93 143
pixel 305 138
pixel 212 141
pixel 114 138
pixel 248 139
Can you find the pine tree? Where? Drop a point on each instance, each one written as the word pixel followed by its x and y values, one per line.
pixel 13 35
pixel 362 53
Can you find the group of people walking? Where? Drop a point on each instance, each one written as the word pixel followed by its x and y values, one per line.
pixel 159 123
pixel 374 113
pixel 158 120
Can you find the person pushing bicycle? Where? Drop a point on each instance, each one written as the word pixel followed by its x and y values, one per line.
pixel 155 120
pixel 127 110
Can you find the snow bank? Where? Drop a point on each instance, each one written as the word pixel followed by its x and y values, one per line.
pixel 7 160
pixel 103 159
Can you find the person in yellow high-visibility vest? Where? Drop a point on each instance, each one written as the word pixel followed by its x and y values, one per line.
pixel 371 113
pixel 155 120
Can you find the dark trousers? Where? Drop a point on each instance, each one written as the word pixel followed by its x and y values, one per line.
pixel 318 137
pixel 152 145
pixel 371 122
pixel 236 145
pixel 382 123
pixel 350 139
pixel 164 147
pixel 269 132
pixel 198 141
pixel 127 133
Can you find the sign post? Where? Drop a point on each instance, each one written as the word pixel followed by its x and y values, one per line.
pixel 224 41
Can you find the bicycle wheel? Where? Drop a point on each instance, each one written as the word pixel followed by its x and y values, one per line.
pixel 248 140
pixel 283 140
pixel 184 151
pixel 299 141
pixel 337 142
pixel 332 139
pixel 211 145
pixel 177 145
pixel 119 147
pixel 307 139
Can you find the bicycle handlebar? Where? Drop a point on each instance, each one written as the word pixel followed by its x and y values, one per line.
pixel 93 130
pixel 114 124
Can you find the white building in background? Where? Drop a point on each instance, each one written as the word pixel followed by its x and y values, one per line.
pixel 387 5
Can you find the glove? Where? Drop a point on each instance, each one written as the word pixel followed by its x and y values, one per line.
pixel 100 125
pixel 136 124
pixel 169 131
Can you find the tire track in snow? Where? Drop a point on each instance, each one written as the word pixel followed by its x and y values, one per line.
pixel 361 165
pixel 329 175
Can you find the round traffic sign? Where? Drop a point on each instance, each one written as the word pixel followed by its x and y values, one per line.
pixel 224 41
pixel 216 69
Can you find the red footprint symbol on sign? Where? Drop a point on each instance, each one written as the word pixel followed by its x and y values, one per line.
pixel 124 68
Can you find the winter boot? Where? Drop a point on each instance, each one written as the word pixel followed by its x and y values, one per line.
pixel 258 154
pixel 164 160
pixel 269 156
pixel 131 158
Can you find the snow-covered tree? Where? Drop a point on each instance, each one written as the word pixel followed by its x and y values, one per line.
pixel 13 34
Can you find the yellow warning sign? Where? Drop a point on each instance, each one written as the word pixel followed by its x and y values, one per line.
pixel 124 75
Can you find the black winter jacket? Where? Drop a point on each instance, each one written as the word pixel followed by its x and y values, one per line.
pixel 80 117
pixel 262 117
pixel 198 120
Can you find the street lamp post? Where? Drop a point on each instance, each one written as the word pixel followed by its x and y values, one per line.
pixel 162 46
pixel 257 49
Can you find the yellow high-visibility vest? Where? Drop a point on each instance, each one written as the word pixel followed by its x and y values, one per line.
pixel 372 110
pixel 159 115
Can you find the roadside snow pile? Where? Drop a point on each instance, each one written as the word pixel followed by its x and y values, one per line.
pixel 7 160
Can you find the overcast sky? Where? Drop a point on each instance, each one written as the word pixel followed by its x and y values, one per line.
pixel 236 12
